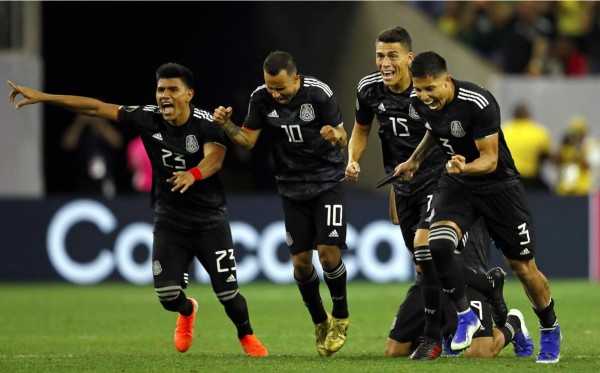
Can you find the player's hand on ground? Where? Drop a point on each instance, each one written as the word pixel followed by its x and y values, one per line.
pixel 330 134
pixel 222 115
pixel 30 96
pixel 352 171
pixel 181 180
pixel 456 165
pixel 406 170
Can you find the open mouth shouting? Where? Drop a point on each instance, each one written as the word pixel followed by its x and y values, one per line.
pixel 433 104
pixel 388 75
pixel 167 109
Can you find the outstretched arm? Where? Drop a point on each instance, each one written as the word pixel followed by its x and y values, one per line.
pixel 78 104
pixel 241 136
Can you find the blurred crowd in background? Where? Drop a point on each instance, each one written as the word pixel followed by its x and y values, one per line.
pixel 536 38
pixel 525 37
pixel 572 168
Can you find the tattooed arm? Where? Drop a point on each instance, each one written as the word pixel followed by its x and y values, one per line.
pixel 244 137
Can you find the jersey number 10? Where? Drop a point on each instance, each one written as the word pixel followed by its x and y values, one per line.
pixel 293 132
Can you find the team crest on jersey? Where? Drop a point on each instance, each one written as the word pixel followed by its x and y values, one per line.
pixel 191 144
pixel 456 129
pixel 413 113
pixel 288 238
pixel 307 113
pixel 129 109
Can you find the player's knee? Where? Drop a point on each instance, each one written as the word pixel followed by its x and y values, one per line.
pixel 523 268
pixel 302 263
pixel 443 239
pixel 329 256
pixel 228 295
pixel 396 349
pixel 170 296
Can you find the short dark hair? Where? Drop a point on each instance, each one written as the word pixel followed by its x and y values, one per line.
pixel 396 34
pixel 428 64
pixel 174 70
pixel 277 61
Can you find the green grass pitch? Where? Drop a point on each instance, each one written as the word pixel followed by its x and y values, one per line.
pixel 118 327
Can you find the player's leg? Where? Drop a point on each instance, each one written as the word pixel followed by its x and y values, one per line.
pixel 514 331
pixel 453 213
pixel 300 232
pixel 330 223
pixel 537 289
pixel 443 240
pixel 522 342
pixel 475 251
pixel 408 324
pixel 483 344
pixel 430 343
pixel 170 262
pixel 488 341
pixel 510 223
pixel 449 324
pixel 214 249
pixel 490 283
pixel 393 208
pixel 413 212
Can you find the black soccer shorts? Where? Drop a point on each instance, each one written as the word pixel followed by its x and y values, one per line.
pixel 505 213
pixel 173 252
pixel 412 213
pixel 320 220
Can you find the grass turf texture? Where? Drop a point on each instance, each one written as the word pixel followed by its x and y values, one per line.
pixel 123 328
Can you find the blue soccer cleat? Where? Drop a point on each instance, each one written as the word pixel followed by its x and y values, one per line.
pixel 522 342
pixel 447 351
pixel 468 324
pixel 549 345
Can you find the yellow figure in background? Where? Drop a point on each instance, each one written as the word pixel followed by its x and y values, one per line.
pixel 577 159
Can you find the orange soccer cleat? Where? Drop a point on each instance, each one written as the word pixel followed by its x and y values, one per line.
pixel 184 331
pixel 253 347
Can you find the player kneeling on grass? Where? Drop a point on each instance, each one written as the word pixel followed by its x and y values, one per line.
pixel 406 335
pixel 186 151
pixel 423 333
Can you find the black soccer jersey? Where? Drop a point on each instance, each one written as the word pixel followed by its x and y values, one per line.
pixel 473 114
pixel 400 130
pixel 305 163
pixel 180 148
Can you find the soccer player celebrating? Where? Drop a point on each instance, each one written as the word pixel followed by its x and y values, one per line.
pixel 186 151
pixel 385 95
pixel 304 121
pixel 481 180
